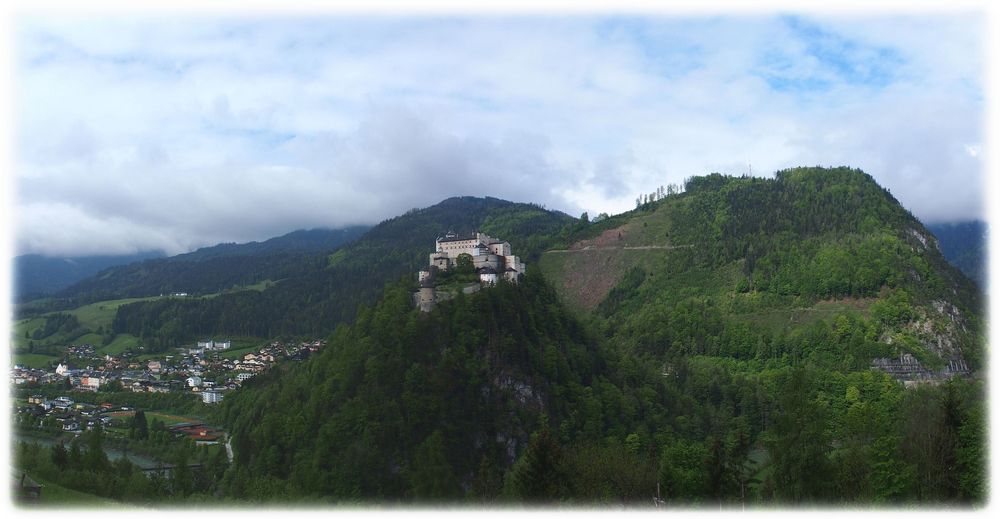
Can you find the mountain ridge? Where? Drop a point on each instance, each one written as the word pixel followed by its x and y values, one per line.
pixel 733 361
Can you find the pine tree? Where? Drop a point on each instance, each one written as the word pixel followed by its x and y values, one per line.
pixel 95 459
pixel 139 427
pixel 181 480
pixel 431 477
pixel 75 455
pixel 537 477
pixel 59 456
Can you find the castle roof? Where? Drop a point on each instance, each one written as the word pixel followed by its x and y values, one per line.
pixel 486 270
pixel 457 237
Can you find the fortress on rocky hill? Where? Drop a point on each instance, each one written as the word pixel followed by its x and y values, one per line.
pixel 491 258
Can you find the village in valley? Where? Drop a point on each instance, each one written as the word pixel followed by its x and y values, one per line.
pixel 202 371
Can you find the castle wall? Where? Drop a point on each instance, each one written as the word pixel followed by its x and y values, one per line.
pixel 489 260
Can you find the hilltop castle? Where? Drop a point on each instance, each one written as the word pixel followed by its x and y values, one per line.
pixel 490 257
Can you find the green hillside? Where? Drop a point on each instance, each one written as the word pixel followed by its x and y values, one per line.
pixel 772 255
pixel 713 348
pixel 312 302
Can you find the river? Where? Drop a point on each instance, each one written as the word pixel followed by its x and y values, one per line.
pixel 143 462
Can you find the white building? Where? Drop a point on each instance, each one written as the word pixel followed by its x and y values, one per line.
pixel 211 397
pixel 487 276
pixel 242 377
pixel 194 381
pixel 62 370
pixel 212 345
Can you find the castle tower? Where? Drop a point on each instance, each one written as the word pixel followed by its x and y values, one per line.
pixel 427 297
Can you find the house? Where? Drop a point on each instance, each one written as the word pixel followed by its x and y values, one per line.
pixel 36 399
pixel 62 370
pixel 154 366
pixel 242 377
pixel 91 383
pixel 194 381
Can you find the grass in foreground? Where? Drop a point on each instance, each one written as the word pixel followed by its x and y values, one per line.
pixel 55 496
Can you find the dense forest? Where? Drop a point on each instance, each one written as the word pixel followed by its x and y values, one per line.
pixel 502 396
pixel 327 290
pixel 731 366
pixel 205 271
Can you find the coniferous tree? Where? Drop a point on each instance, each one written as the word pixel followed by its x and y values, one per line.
pixel 139 427
pixel 59 456
pixel 431 478
pixel 537 476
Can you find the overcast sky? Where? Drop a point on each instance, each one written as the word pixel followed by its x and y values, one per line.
pixel 173 133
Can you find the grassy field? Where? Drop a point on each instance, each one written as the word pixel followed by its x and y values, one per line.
pixel 263 285
pixel 33 360
pixel 19 328
pixel 122 342
pixel 171 419
pixel 166 418
pixel 91 317
pixel 236 353
pixel 98 315
pixel 54 496
pixel 102 313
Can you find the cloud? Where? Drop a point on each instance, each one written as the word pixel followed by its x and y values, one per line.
pixel 393 160
pixel 173 133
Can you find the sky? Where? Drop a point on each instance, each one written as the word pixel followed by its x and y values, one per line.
pixel 135 133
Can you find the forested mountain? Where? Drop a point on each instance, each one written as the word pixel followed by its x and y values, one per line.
pixel 713 347
pixel 36 275
pixel 751 248
pixel 964 245
pixel 324 291
pixel 301 241
pixel 204 271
